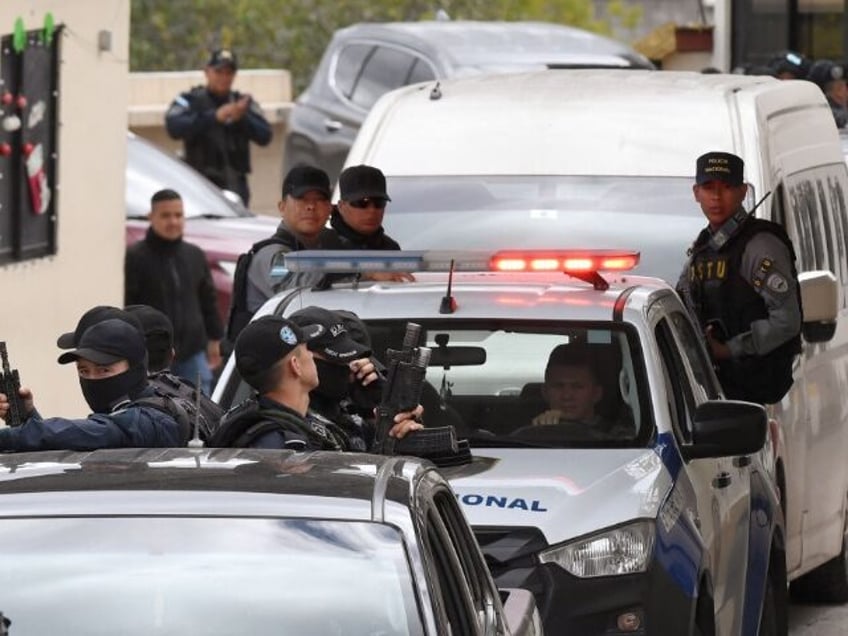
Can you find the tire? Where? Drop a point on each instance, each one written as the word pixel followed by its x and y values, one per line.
pixel 828 583
pixel 774 619
pixel 704 615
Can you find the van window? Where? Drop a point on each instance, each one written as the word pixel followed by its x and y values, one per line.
pixel 654 215
pixel 817 221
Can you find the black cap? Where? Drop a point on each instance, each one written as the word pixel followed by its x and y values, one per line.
pixel 158 335
pixel 360 182
pixel 93 316
pixel 719 166
pixel 303 179
pixel 152 320
pixel 223 57
pixel 790 62
pixel 108 342
pixel 267 340
pixel 334 341
pixel 824 71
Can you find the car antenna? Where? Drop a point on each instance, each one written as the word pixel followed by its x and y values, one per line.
pixel 436 92
pixel 758 203
pixel 195 441
pixel 448 305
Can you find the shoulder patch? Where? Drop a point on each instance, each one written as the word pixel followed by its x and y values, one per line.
pixel 777 283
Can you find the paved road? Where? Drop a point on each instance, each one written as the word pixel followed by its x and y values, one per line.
pixel 818 620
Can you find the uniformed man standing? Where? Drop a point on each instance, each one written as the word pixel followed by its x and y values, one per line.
pixel 741 285
pixel 217 125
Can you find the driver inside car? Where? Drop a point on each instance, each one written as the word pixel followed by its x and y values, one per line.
pixel 572 391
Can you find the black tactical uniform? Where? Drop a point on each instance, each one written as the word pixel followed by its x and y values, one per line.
pixel 219 151
pixel 742 280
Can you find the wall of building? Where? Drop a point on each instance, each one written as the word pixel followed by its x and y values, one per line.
pixel 44 297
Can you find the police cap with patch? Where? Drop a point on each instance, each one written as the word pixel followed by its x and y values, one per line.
pixel 107 342
pixel 822 72
pixel 334 342
pixel 266 341
pixel 719 166
pixel 220 58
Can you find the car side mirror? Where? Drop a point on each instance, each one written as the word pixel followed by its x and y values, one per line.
pixel 820 303
pixel 726 428
pixel 522 615
pixel 235 199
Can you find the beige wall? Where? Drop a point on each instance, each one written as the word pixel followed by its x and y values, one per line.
pixel 43 298
pixel 151 93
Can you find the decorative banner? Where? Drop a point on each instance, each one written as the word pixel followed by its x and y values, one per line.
pixel 28 160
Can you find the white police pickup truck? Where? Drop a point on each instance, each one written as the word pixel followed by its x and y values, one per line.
pixel 657 515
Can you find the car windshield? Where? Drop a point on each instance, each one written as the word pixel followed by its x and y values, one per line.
pixel 216 576
pixel 514 384
pixel 149 169
pixel 657 216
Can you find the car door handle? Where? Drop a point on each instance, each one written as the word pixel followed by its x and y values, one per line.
pixel 742 461
pixel 722 480
pixel 332 125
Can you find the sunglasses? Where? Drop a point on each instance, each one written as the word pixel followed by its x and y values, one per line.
pixel 361 204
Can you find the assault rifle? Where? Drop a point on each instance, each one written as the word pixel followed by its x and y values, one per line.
pixel 405 371
pixel 10 383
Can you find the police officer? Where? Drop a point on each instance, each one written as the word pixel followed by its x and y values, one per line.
pixel 343 365
pixel 789 65
pixel 271 355
pixel 358 217
pixel 304 208
pixel 217 125
pixel 111 362
pixel 741 285
pixel 830 78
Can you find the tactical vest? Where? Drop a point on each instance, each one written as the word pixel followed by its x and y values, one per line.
pixel 221 153
pixel 247 422
pixel 719 293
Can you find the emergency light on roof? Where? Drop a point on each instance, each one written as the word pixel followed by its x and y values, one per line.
pixel 574 262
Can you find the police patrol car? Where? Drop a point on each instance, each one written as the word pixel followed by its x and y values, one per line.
pixel 664 522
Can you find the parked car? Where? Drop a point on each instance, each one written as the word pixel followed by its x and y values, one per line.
pixel 222 542
pixel 364 61
pixel 670 525
pixel 221 226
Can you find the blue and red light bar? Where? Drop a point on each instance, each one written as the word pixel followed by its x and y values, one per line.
pixel 568 261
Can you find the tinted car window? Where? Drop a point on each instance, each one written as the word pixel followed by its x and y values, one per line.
pixel 218 576
pixel 385 70
pixel 420 72
pixel 349 66
pixel 656 216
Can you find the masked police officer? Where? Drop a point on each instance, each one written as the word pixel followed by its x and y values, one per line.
pixel 741 285
pixel 217 125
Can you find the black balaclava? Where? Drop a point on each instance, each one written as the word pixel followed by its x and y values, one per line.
pixel 104 395
pixel 333 379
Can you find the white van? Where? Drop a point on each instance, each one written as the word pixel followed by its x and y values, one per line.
pixel 583 158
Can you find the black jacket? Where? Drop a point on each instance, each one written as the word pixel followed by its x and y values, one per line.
pixel 377 241
pixel 213 148
pixel 173 277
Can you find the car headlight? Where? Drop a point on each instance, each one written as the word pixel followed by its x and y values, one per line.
pixel 623 550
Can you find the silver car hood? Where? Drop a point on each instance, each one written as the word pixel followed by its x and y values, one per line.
pixel 565 493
